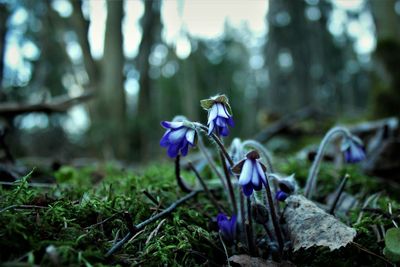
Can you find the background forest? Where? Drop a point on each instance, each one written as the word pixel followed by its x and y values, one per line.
pixel 76 74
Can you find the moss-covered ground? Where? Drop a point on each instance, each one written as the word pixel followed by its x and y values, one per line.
pixel 76 220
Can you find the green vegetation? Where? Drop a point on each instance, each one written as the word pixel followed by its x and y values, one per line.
pixel 78 220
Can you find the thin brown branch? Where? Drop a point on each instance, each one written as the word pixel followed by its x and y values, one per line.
pixel 57 104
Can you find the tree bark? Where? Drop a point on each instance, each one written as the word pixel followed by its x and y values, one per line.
pixel 151 28
pixel 3 31
pixel 81 26
pixel 111 99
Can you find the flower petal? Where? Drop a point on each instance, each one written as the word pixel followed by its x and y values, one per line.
pixel 164 142
pixel 173 150
pixel 222 111
pixel 230 122
pixel 261 172
pixel 177 135
pixel 190 136
pixel 184 147
pixel 245 175
pixel 212 113
pixel 255 178
pixel 237 168
pixel 220 121
pixel 224 131
pixel 171 124
pixel 211 127
pixel 247 189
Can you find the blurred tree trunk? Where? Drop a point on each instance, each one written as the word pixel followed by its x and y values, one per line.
pixel 108 110
pixel 386 19
pixel 301 68
pixel 190 90
pixel 287 56
pixel 151 28
pixel 81 26
pixel 111 101
pixel 385 95
pixel 3 31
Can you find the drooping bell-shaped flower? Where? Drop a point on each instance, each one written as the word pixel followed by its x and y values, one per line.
pixel 281 196
pixel 227 227
pixel 219 114
pixel 252 173
pixel 287 186
pixel 353 150
pixel 177 138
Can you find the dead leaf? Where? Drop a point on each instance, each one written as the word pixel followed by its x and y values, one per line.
pixel 308 225
pixel 244 260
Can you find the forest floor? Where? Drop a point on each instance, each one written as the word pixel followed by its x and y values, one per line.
pixel 77 218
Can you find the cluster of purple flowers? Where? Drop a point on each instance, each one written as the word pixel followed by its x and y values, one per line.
pixel 181 134
pixel 251 173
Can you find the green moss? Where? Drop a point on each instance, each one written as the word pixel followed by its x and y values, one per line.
pixel 84 197
pixel 68 221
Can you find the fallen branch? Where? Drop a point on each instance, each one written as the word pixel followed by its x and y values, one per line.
pixel 22 207
pixel 283 124
pixel 141 225
pixel 57 104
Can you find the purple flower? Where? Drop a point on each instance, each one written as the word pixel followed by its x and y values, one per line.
pixel 219 114
pixel 227 226
pixel 177 138
pixel 252 173
pixel 281 196
pixel 219 119
pixel 353 150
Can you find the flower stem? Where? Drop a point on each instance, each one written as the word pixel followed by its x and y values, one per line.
pixel 339 193
pixel 210 161
pixel 312 176
pixel 185 188
pixel 274 217
pixel 223 155
pixel 217 141
pixel 229 183
pixel 205 188
pixel 249 229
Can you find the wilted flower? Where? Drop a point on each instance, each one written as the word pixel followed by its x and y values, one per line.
pixel 353 150
pixel 219 114
pixel 281 196
pixel 177 138
pixel 227 226
pixel 252 173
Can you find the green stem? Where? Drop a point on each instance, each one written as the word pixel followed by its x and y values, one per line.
pixel 217 141
pixel 229 183
pixel 339 193
pixel 312 177
pixel 210 161
pixel 185 188
pixel 205 188
pixel 274 217
pixel 249 229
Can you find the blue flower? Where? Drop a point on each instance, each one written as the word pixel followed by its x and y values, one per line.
pixel 177 138
pixel 219 114
pixel 252 173
pixel 227 226
pixel 219 119
pixel 281 196
pixel 353 150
